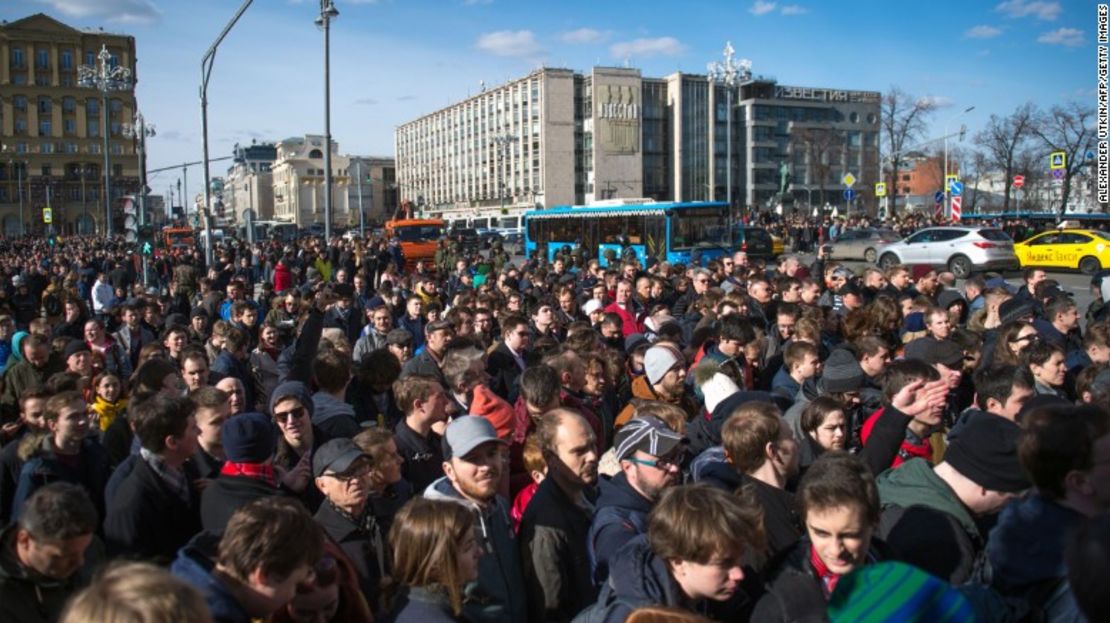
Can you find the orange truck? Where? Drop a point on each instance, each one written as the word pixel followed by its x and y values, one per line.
pixel 418 238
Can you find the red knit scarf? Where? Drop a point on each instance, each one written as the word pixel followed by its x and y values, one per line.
pixel 828 578
pixel 260 471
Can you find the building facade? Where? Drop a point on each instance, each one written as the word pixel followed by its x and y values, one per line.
pixel 298 182
pixel 249 184
pixel 558 137
pixel 51 128
pixel 372 191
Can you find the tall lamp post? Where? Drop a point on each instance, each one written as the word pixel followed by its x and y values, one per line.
pixel 729 73
pixel 205 74
pixel 19 186
pixel 140 130
pixel 105 78
pixel 503 142
pixel 328 12
pixel 944 181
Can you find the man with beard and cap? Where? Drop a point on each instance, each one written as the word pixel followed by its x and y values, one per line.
pixel 929 514
pixel 650 454
pixel 472 464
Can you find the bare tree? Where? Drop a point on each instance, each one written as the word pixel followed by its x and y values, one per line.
pixel 1070 129
pixel 903 122
pixel 822 147
pixel 1004 139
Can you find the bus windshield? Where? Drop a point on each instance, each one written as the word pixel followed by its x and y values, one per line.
pixel 699 227
pixel 418 233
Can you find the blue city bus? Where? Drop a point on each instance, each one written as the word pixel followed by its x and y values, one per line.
pixel 668 231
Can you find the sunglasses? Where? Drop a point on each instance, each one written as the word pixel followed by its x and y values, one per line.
pixel 292 414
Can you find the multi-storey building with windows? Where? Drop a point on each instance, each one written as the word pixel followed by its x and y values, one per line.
pixel 557 137
pixel 250 183
pixel 51 129
pixel 298 182
pixel 373 189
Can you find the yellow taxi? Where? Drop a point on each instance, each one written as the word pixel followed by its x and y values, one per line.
pixel 778 247
pixel 1085 249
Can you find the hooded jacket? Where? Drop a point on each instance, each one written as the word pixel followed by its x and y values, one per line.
pixel 781 521
pixel 924 521
pixel 621 515
pixel 333 416
pixel 195 564
pixel 26 596
pixel 640 578
pixel 1026 546
pixel 499 593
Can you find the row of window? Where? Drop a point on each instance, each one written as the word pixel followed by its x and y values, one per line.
pixel 69 104
pixel 69 127
pixel 66 58
pixel 49 147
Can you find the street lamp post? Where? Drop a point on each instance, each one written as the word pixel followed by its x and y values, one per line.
pixel 503 141
pixel 105 78
pixel 140 130
pixel 328 12
pixel 19 189
pixel 729 74
pixel 206 73
pixel 944 177
pixel 361 212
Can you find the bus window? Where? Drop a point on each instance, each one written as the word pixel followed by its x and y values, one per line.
pixel 479 223
pixel 699 227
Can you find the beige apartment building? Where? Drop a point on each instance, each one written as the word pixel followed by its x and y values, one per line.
pixel 298 182
pixel 51 128
pixel 560 137
pixel 249 184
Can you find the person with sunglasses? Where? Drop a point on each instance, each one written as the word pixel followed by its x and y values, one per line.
pixel 291 407
pixel 342 473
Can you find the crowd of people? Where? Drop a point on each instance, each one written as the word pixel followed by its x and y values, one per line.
pixel 321 431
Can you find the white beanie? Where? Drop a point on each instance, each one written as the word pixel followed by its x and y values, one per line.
pixel 716 389
pixel 591 306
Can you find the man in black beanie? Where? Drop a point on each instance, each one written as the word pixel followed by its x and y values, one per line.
pixel 929 513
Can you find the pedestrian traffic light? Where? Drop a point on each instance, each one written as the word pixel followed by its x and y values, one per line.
pixel 146 240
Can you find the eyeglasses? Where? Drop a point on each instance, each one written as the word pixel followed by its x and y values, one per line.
pixel 293 414
pixel 350 475
pixel 663 463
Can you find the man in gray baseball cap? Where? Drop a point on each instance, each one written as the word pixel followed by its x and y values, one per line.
pixel 474 459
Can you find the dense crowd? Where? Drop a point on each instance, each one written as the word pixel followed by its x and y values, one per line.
pixel 321 431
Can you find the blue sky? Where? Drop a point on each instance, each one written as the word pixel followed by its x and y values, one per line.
pixel 393 60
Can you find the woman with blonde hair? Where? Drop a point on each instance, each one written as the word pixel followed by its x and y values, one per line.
pixel 137 592
pixel 435 556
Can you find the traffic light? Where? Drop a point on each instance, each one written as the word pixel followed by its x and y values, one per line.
pixel 130 221
pixel 146 240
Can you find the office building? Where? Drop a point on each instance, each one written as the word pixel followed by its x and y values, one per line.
pixel 558 137
pixel 250 184
pixel 51 141
pixel 298 182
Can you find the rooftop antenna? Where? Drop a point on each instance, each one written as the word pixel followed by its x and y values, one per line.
pixel 482 83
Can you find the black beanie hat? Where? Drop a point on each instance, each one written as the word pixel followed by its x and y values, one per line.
pixel 842 372
pixel 985 451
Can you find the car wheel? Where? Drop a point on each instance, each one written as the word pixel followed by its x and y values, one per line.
pixel 870 255
pixel 1089 265
pixel 888 260
pixel 960 267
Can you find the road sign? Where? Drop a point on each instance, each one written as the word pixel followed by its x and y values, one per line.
pixel 849 180
pixel 1019 181
pixel 956 188
pixel 957 207
pixel 880 189
pixel 1058 174
pixel 939 197
pixel 1057 160
pixel 849 194
pixel 949 180
pixel 47 216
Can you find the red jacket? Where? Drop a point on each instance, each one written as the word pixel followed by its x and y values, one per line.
pixel 283 278
pixel 630 324
pixel 912 446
